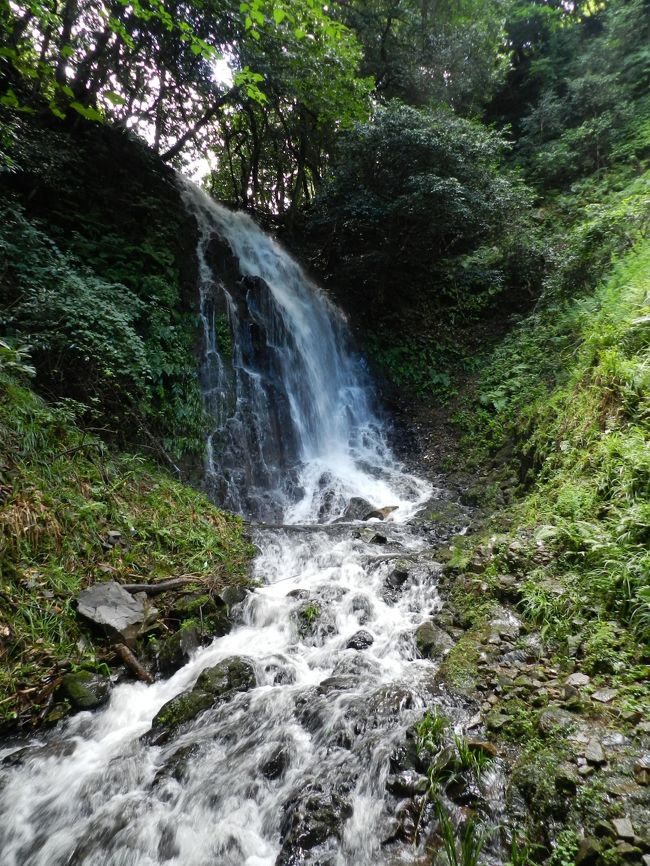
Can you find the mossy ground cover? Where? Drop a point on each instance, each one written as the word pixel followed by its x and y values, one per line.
pixel 62 492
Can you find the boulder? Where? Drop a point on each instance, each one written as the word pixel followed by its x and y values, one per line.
pixel 215 686
pixel 360 640
pixel 120 614
pixel 431 641
pixel 309 820
pixel 399 575
pixel 85 690
pixel 358 509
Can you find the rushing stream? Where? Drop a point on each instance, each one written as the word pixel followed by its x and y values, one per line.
pixel 293 770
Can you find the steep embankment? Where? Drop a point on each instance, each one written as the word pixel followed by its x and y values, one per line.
pixel 72 512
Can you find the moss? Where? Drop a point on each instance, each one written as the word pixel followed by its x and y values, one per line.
pixel 459 667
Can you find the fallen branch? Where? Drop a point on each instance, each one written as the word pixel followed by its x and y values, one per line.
pixel 156 588
pixel 132 663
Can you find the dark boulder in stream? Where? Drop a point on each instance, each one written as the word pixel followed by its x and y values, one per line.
pixel 214 686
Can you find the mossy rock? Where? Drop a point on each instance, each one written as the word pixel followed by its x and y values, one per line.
pixel 85 690
pixel 431 641
pixel 174 651
pixel 214 686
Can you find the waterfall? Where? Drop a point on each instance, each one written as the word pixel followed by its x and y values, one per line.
pixel 295 431
pixel 296 769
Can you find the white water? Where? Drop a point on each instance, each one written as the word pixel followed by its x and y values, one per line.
pixel 93 794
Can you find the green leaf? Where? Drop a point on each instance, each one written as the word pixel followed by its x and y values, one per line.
pixel 114 98
pixel 87 111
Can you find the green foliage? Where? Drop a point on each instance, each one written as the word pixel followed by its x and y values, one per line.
pixel 418 220
pixel 565 849
pixel 466 850
pixel 470 759
pixel 61 492
pixel 94 339
pixel 571 383
pixel 429 731
pixel 588 78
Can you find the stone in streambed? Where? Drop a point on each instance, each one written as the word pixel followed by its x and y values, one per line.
pixel 431 641
pixel 199 619
pixel 85 690
pixel 214 686
pixel 360 640
pixel 399 575
pixel 357 509
pixel 381 513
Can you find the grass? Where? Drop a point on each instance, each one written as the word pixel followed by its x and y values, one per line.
pixel 429 731
pixel 463 850
pixel 61 492
pixel 471 760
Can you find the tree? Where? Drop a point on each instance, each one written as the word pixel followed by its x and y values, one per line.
pixel 447 51
pixel 150 65
pixel 417 211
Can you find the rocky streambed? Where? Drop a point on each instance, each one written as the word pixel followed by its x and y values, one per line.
pixel 372 700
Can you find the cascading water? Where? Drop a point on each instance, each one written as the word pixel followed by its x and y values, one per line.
pixel 295 429
pixel 293 770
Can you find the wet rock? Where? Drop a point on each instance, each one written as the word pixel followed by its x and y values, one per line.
pixel 54 749
pixel 310 821
pixel 431 641
pixel 399 575
pixel 624 828
pixel 370 536
pixel 233 595
pixel 174 651
pixel 589 852
pixel 358 509
pixel 275 765
pixel 214 686
pixel 360 640
pixel 642 770
pixel 362 607
pixel 380 513
pixel 85 690
pixel 594 753
pixel 115 610
pixel 409 783
pixel 604 696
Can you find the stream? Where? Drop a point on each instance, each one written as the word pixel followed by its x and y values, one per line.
pixel 298 768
